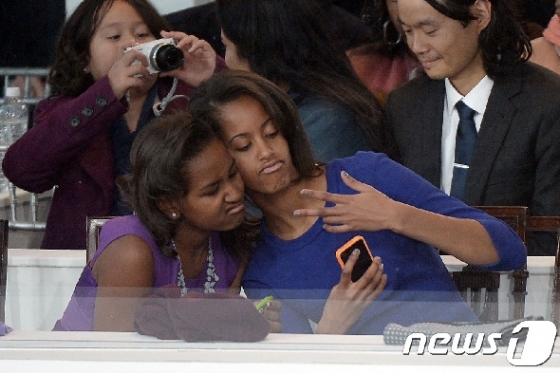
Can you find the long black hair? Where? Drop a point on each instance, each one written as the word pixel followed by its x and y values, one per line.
pixel 289 42
pixel 386 39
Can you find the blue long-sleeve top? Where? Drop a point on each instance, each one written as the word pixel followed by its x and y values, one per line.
pixel 301 272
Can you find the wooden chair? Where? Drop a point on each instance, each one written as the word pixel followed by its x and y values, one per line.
pixel 3 267
pixel 550 224
pixel 93 229
pixel 479 287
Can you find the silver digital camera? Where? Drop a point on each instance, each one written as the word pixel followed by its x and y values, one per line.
pixel 162 55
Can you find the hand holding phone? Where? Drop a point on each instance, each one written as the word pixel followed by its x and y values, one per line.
pixel 364 261
pixel 355 291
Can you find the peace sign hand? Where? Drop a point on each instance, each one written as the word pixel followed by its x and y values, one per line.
pixel 368 210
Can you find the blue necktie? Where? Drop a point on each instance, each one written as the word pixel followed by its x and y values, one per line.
pixel 464 146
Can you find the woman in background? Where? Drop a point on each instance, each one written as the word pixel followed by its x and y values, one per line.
pixel 387 62
pixel 289 43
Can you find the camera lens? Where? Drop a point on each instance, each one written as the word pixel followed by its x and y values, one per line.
pixel 166 57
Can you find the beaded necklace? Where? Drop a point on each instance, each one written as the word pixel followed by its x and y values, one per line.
pixel 211 276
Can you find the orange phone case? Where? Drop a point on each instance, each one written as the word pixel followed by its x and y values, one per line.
pixel 350 245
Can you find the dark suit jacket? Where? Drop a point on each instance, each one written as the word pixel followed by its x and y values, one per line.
pixel 516 160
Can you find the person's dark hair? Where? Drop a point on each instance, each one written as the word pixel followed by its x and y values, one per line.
pixel 67 75
pixel 230 85
pixel 290 42
pixel 160 157
pixel 386 39
pixel 503 42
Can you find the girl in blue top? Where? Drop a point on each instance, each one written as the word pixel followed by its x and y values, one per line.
pixel 310 210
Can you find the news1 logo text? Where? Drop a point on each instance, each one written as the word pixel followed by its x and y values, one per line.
pixel 535 350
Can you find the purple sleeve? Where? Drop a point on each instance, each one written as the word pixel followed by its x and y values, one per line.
pixel 63 128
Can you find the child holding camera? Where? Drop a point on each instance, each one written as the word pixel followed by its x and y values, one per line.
pixel 105 92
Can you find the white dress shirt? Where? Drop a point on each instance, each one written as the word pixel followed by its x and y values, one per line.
pixel 476 99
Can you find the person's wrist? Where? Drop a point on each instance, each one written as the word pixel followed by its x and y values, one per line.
pixel 326 326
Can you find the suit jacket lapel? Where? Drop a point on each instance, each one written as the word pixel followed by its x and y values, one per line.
pixel 493 130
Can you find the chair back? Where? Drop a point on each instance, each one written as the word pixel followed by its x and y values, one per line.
pixel 514 216
pixel 93 229
pixel 3 267
pixel 479 287
pixel 7 73
pixel 550 224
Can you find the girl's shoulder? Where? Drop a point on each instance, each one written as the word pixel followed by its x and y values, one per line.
pixel 362 161
pixel 120 226
pixel 99 96
pixel 51 101
pixel 123 225
pixel 314 103
pixel 378 171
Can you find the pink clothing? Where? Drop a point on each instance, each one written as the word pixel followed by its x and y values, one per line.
pixel 552 32
pixel 382 74
pixel 546 49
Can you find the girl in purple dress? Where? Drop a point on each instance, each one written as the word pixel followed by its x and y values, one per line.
pixel 188 198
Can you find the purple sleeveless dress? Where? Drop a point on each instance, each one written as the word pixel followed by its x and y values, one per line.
pixel 78 315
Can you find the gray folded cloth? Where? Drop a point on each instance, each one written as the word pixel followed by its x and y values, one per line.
pixel 395 334
pixel 4 329
pixel 198 317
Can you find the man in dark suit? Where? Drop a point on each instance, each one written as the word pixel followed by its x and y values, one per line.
pixel 474 52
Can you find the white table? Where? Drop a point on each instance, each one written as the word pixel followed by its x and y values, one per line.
pixel 40 283
pixel 130 352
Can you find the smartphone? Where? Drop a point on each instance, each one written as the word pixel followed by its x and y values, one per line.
pixel 364 260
